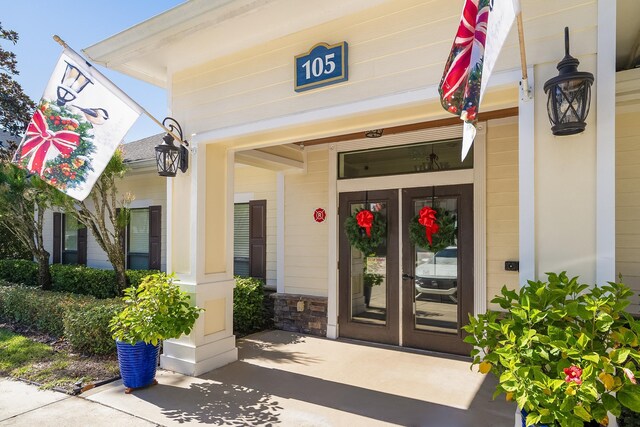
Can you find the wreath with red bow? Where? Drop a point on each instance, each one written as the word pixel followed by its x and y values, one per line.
pixel 366 230
pixel 70 134
pixel 433 229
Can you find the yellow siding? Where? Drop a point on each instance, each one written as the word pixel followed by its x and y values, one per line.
pixel 262 183
pixel 306 241
pixel 628 203
pixel 393 48
pixel 502 203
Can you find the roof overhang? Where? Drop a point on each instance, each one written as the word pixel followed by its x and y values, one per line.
pixel 160 46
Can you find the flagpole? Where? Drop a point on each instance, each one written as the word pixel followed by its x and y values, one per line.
pixel 116 89
pixel 523 56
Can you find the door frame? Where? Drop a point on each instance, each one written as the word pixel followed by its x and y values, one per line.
pixel 475 176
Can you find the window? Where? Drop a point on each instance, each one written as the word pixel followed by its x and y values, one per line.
pixel 69 240
pixel 143 237
pixel 412 158
pixel 241 239
pixel 138 239
pixel 250 239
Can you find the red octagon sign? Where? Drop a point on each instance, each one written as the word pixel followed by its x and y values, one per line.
pixel 319 215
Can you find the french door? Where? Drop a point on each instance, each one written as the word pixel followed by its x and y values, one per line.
pixel 403 294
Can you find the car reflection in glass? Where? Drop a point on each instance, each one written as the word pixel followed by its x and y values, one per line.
pixel 436 277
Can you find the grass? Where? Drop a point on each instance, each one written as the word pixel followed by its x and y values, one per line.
pixel 21 357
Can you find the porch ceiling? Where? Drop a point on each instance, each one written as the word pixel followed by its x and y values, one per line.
pixel 277 158
pixel 164 44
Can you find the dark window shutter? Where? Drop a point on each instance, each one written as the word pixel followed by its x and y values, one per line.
pixel 82 246
pixel 155 237
pixel 57 237
pixel 258 238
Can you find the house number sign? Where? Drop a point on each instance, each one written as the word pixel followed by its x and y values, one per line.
pixel 322 65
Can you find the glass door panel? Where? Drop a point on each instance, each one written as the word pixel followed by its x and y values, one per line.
pixel 436 277
pixel 369 275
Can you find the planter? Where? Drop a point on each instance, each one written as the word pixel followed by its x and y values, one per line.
pixel 137 364
pixel 524 422
pixel 367 295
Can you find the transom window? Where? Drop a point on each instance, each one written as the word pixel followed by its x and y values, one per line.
pixel 403 159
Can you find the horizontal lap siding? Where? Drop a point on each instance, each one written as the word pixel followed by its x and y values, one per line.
pixel 628 203
pixel 502 204
pixel 393 48
pixel 306 241
pixel 262 183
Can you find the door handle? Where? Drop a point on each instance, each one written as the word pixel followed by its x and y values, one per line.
pixel 406 276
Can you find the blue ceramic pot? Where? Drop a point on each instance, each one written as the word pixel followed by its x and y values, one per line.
pixel 137 363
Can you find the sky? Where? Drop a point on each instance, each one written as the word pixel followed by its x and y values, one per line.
pixel 80 24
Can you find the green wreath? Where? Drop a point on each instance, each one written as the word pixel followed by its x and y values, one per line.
pixel 67 171
pixel 446 235
pixel 358 237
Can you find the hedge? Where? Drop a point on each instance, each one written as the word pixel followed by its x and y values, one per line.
pixel 249 314
pixel 83 320
pixel 87 327
pixel 77 279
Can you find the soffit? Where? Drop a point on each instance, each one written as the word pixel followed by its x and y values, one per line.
pixel 199 31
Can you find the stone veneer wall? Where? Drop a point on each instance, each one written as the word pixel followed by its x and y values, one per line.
pixel 300 313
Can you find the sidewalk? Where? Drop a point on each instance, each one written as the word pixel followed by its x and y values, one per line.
pixel 290 380
pixel 23 404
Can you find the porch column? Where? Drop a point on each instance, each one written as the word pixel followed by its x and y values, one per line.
pixel 201 254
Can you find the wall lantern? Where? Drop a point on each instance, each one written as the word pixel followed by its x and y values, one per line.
pixel 170 158
pixel 569 95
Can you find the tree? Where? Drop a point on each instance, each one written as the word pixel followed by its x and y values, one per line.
pixel 15 106
pixel 23 202
pixel 104 214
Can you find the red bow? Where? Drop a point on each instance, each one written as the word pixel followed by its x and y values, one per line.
pixel 39 140
pixel 365 220
pixel 428 220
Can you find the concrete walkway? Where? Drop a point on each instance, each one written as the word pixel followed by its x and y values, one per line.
pixel 296 380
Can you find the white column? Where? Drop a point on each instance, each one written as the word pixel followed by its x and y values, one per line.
pixel 203 212
pixel 605 101
pixel 526 183
pixel 280 194
pixel 332 253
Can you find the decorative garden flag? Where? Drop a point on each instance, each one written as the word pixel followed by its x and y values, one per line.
pixel 80 121
pixel 483 28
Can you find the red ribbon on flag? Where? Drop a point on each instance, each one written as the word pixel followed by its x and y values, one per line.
pixel 428 220
pixel 39 140
pixel 365 220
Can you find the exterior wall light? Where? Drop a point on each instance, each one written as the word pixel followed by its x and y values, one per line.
pixel 376 133
pixel 569 95
pixel 170 158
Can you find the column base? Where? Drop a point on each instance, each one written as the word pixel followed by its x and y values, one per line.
pixel 188 359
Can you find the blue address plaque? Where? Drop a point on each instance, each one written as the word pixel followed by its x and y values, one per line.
pixel 322 65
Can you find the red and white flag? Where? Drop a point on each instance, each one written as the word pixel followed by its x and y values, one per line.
pixel 79 123
pixel 484 26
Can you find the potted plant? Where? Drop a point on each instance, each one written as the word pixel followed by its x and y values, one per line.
pixel 370 280
pixel 154 311
pixel 565 352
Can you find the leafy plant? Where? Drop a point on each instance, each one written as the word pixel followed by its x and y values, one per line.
pixel 565 352
pixel 87 327
pixel 156 310
pixel 248 306
pixel 373 279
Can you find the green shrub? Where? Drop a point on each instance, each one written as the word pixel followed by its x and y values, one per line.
pixel 86 327
pixel 41 310
pixel 79 279
pixel 76 279
pixel 20 271
pixel 249 314
pixel 628 418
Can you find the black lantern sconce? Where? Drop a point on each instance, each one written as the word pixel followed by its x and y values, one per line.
pixel 71 84
pixel 170 158
pixel 569 95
